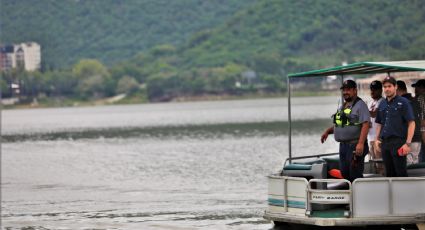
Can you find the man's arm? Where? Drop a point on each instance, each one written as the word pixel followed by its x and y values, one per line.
pixel 409 116
pixel 362 138
pixel 378 132
pixel 328 131
pixel 377 142
pixel 410 132
pixel 423 130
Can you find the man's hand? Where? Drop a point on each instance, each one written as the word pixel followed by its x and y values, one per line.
pixel 359 149
pixel 373 113
pixel 377 145
pixel 324 136
pixel 405 150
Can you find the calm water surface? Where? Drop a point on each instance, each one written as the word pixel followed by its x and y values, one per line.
pixel 198 165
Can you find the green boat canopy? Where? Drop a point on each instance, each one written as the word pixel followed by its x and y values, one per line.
pixel 366 68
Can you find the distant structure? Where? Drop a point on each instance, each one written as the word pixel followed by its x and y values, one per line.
pixel 7 57
pixel 25 55
pixel 408 77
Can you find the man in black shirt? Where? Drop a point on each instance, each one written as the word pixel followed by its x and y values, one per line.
pixel 415 147
pixel 395 127
pixel 420 97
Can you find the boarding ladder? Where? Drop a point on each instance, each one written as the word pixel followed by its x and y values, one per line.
pixel 327 196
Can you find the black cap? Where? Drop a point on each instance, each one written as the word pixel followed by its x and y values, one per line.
pixel 419 83
pixel 401 85
pixel 390 80
pixel 375 85
pixel 349 84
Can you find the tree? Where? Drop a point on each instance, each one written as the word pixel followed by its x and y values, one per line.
pixel 267 63
pixel 59 83
pixel 273 83
pixel 93 78
pixel 128 85
pixel 162 86
pixel 163 50
pixel 127 69
pixel 4 86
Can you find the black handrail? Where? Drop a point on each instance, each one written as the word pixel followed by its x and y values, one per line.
pixel 309 156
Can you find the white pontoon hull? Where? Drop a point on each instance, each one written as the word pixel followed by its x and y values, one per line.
pixel 367 201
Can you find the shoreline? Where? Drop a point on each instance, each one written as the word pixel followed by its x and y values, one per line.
pixel 129 100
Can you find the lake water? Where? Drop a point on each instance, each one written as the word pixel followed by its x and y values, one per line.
pixel 195 165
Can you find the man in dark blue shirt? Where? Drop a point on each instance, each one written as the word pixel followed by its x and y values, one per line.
pixel 395 128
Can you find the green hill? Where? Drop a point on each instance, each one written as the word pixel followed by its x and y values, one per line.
pixel 212 33
pixel 314 33
pixel 165 49
pixel 273 37
pixel 108 30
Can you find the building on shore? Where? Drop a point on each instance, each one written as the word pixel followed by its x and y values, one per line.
pixel 24 55
pixel 7 57
pixel 408 77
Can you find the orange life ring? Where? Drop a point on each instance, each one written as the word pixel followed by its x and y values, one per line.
pixel 335 173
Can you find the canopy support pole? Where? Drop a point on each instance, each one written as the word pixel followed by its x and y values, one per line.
pixel 289 120
pixel 341 101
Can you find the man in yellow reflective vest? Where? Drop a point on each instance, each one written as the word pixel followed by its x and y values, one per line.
pixel 350 129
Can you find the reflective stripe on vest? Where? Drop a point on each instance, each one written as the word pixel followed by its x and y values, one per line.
pixel 341 118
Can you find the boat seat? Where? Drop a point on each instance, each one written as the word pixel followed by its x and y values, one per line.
pixel 415 170
pixel 331 159
pixel 316 171
pixel 332 162
pixel 297 166
pixel 310 162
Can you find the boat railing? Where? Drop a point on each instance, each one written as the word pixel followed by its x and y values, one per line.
pixel 388 196
pixel 308 156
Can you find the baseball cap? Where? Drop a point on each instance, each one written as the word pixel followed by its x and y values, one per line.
pixel 375 85
pixel 419 83
pixel 401 85
pixel 390 80
pixel 349 84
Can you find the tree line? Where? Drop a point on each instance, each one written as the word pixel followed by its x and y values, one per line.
pixel 249 52
pixel 152 80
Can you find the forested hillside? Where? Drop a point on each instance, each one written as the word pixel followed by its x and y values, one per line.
pixel 163 49
pixel 274 37
pixel 314 33
pixel 108 30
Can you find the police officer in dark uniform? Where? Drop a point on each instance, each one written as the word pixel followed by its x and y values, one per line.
pixel 395 128
pixel 350 129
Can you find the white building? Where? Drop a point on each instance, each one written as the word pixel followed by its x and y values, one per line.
pixel 31 55
pixel 26 55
